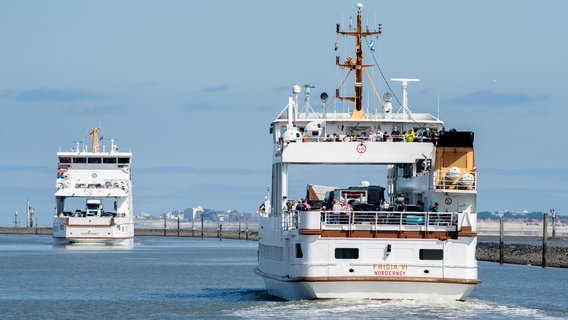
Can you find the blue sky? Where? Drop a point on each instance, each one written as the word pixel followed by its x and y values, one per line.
pixel 192 86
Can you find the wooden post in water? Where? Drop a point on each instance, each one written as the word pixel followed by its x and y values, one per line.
pixel 220 230
pixel 178 226
pixel 240 217
pixel 246 228
pixel 164 224
pixel 553 223
pixel 202 225
pixel 544 238
pixel 501 242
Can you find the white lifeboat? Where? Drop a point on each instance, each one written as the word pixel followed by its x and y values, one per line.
pixel 467 179
pixel 453 173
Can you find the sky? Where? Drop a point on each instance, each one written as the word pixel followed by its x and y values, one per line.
pixel 191 87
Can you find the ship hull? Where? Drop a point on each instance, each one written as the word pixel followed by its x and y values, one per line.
pixel 94 241
pixel 103 231
pixel 375 289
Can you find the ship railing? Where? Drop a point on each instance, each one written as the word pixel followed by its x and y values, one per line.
pixel 389 220
pixel 443 182
pixel 366 139
pixel 290 220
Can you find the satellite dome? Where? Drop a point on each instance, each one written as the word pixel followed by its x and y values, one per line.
pixel 292 135
pixel 314 129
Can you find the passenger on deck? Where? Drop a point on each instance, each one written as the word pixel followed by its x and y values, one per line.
pixel 395 133
pixel 307 206
pixel 435 218
pixel 371 137
pixel 294 206
pixel 305 137
pixel 379 136
pixel 383 215
pixel 336 212
pixel 401 207
pixel 427 135
pixel 435 208
pixel 410 135
pixel 383 205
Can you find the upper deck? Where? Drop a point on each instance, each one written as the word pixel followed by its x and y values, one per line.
pixel 337 139
pixel 87 160
pixel 83 173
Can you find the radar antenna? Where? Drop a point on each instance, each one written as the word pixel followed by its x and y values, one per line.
pixel 405 82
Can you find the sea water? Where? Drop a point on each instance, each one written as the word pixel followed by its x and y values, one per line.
pixel 192 278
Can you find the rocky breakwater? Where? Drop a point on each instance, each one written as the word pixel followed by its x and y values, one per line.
pixel 523 254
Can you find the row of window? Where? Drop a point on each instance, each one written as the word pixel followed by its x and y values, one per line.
pixel 353 253
pixel 119 160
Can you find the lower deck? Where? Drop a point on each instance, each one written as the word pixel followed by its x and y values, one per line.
pixel 380 224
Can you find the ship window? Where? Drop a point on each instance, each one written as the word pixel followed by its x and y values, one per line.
pixel 357 131
pixel 346 253
pixel 80 160
pixel 64 160
pixel 431 254
pixel 299 253
pixel 109 160
pixel 123 160
pixel 94 160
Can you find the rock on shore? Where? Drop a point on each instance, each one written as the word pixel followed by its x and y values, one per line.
pixel 523 254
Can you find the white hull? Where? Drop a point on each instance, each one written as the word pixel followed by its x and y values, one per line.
pixel 104 231
pixel 94 241
pixel 365 289
pixel 307 263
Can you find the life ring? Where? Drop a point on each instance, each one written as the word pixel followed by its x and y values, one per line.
pixel 361 148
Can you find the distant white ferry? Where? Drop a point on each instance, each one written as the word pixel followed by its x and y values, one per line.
pixel 347 242
pixel 93 197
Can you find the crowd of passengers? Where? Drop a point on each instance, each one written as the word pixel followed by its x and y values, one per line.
pixel 426 135
pixel 339 211
pixel 351 205
pixel 82 214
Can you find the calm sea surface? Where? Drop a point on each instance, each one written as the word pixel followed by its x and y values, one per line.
pixel 185 278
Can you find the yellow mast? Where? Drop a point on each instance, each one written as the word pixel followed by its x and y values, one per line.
pixel 95 139
pixel 357 65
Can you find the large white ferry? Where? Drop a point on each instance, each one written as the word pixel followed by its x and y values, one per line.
pixel 93 197
pixel 348 243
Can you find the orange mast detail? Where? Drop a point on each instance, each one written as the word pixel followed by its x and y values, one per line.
pixel 357 65
pixel 95 139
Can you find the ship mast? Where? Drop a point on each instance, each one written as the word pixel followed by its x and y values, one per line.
pixel 95 140
pixel 356 64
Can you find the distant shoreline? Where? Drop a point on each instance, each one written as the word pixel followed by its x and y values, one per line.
pixel 486 251
pixel 227 234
